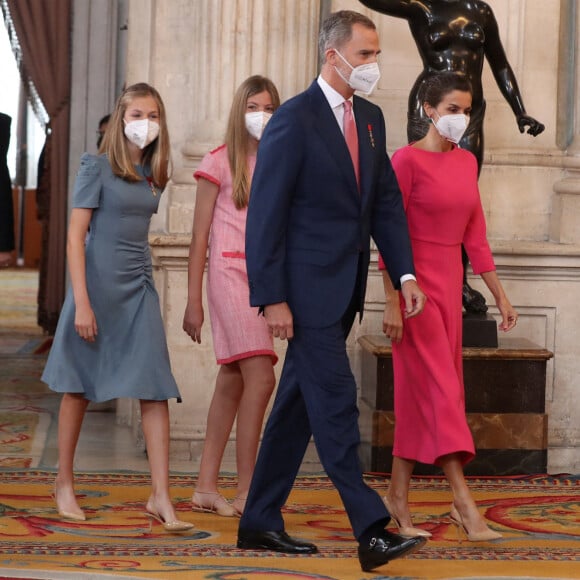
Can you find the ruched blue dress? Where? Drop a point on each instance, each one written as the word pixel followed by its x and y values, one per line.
pixel 129 357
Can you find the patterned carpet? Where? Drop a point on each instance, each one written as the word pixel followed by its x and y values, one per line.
pixel 539 517
pixel 19 333
pixel 18 305
pixel 26 410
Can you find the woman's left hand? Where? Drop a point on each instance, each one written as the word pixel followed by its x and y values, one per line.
pixel 509 316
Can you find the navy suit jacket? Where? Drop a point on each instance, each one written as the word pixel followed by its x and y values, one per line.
pixel 308 225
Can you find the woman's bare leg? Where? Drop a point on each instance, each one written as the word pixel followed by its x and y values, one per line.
pixel 462 498
pixel 220 420
pixel 155 422
pixel 259 382
pixel 70 420
pixel 398 493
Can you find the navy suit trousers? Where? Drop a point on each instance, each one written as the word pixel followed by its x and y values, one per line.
pixel 316 396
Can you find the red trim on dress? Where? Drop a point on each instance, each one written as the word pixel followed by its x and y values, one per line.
pixel 207 176
pixel 218 149
pixel 249 354
pixel 234 254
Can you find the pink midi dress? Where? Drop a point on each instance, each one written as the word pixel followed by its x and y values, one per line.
pixel 238 331
pixel 443 208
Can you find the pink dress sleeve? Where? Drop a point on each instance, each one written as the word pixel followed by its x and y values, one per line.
pixel 210 167
pixel 476 244
pixel 475 235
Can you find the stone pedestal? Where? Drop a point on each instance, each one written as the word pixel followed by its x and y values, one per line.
pixel 479 331
pixel 504 399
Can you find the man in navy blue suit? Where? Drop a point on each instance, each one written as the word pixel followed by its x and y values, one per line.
pixel 313 208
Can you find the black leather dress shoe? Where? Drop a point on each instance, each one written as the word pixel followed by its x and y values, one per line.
pixel 386 547
pixel 275 541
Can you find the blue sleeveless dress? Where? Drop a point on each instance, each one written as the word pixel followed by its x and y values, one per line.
pixel 129 357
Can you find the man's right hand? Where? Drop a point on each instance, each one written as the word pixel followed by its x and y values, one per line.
pixel 279 319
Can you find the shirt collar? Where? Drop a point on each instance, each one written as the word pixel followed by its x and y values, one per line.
pixel 334 98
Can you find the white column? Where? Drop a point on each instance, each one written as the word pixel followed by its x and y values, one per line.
pixel 95 63
pixel 564 226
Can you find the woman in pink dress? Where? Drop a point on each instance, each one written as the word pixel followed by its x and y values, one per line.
pixel 438 181
pixel 243 345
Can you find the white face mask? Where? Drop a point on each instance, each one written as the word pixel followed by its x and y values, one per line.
pixel 141 132
pixel 452 127
pixel 363 78
pixel 256 122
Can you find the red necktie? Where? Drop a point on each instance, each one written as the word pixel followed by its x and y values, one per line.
pixel 351 137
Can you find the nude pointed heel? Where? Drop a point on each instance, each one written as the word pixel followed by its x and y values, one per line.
pixel 74 516
pixel 405 531
pixel 65 515
pixel 216 504
pixel 488 535
pixel 239 504
pixel 171 527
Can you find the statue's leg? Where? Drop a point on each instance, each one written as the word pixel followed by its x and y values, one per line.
pixel 473 301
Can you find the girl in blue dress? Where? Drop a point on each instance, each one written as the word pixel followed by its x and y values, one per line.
pixel 110 341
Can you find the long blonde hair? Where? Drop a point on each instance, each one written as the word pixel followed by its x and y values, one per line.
pixel 237 136
pixel 156 156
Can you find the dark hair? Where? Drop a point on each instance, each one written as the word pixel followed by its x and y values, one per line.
pixel 101 130
pixel 336 30
pixel 104 120
pixel 436 86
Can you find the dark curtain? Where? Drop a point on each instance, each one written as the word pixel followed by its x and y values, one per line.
pixel 6 209
pixel 40 33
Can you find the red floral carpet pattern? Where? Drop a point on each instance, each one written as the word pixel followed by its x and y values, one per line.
pixel 539 517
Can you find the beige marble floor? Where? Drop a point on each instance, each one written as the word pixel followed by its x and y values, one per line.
pixel 105 445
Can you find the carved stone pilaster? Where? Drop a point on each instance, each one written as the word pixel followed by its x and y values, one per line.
pixel 275 38
pixel 564 227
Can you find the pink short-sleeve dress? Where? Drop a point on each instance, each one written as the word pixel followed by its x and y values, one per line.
pixel 237 329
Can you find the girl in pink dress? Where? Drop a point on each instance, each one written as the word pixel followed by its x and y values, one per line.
pixel 243 345
pixel 438 181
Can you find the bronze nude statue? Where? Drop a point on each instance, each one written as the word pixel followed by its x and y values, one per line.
pixel 458 35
